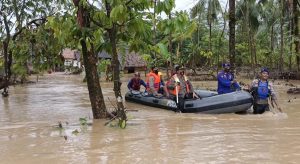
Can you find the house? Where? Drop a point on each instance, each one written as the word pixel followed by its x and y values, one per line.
pixel 131 62
pixel 104 55
pixel 71 58
pixel 134 61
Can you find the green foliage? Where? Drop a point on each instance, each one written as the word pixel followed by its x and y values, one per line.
pixel 122 124
pixel 102 65
pixel 119 14
pixel 83 121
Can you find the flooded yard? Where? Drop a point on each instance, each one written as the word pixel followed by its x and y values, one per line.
pixel 29 131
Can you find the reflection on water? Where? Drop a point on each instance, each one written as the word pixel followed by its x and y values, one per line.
pixel 29 131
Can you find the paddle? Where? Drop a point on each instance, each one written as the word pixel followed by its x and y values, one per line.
pixel 176 88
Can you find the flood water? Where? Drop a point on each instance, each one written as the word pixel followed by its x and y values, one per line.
pixel 29 130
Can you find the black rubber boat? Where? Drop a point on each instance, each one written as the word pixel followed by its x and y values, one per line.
pixel 210 102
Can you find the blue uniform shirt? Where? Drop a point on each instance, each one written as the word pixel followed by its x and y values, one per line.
pixel 131 83
pixel 224 83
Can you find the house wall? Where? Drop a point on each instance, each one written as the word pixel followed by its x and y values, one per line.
pixel 68 62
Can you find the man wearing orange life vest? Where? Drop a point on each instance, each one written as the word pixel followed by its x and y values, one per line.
pixel 180 87
pixel 153 82
pixel 185 88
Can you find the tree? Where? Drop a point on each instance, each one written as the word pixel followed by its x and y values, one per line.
pixel 90 60
pixel 213 9
pixel 232 33
pixel 15 17
pixel 248 14
pixel 296 26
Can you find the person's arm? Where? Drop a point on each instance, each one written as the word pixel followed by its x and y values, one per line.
pixel 129 84
pixel 151 85
pixel 171 84
pixel 195 95
pixel 253 85
pixel 274 97
pixel 236 85
pixel 142 82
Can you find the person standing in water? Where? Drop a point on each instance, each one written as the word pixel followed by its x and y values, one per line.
pixel 262 90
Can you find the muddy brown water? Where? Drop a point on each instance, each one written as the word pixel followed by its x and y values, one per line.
pixel 29 132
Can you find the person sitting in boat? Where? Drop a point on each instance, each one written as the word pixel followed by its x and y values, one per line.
pixel 261 90
pixel 162 87
pixel 226 81
pixel 134 85
pixel 153 82
pixel 180 88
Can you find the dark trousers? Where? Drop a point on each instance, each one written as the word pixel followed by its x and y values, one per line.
pixel 180 104
pixel 260 108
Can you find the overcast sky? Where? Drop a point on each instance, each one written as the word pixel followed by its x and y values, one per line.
pixel 184 4
pixel 187 4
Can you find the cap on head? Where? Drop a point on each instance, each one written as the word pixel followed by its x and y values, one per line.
pixel 155 69
pixel 224 65
pixel 264 69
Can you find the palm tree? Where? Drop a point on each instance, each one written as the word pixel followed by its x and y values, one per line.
pixel 213 8
pixel 270 15
pixel 248 13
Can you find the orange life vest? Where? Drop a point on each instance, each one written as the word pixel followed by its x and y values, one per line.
pixel 156 81
pixel 175 77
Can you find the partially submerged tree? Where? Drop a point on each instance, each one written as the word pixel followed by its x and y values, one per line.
pixel 15 17
pixel 90 60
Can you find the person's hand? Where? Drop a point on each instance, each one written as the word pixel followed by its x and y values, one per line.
pixel 279 108
pixel 168 95
pixel 195 95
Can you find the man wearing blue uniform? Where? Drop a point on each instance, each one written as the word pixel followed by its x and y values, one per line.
pixel 226 81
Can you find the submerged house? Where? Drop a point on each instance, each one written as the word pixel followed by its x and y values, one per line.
pixel 71 58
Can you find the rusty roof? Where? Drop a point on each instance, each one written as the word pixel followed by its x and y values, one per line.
pixel 134 60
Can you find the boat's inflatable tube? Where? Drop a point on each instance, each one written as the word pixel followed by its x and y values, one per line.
pixel 210 102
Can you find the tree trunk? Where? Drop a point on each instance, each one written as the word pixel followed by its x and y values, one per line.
pixel 90 60
pixel 281 64
pixel 170 48
pixel 291 35
pixel 7 57
pixel 154 27
pixel 221 36
pixel 272 47
pixel 296 32
pixel 116 73
pixel 112 32
pixel 254 49
pixel 232 33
